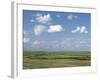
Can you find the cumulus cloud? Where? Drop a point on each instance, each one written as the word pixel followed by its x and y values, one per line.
pixel 38 14
pixel 75 17
pixel 58 16
pixel 70 17
pixel 83 30
pixel 36 42
pixel 76 30
pixel 80 30
pixel 62 44
pixel 39 29
pixel 43 18
pixel 74 42
pixel 32 20
pixel 68 43
pixel 55 28
pixel 25 40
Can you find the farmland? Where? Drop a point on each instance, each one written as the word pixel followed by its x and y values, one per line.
pixel 55 59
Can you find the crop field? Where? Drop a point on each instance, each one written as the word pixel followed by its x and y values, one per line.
pixel 54 59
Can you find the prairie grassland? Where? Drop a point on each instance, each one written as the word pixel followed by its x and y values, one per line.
pixel 44 59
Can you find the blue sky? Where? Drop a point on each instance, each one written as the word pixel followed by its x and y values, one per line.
pixel 56 31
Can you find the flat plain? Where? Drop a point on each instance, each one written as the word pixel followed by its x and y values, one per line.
pixel 55 59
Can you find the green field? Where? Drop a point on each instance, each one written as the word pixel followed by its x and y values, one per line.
pixel 44 59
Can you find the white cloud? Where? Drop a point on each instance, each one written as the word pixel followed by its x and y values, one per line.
pixel 83 30
pixel 55 28
pixel 68 43
pixel 74 42
pixel 80 30
pixel 38 14
pixel 32 20
pixel 58 16
pixel 82 41
pixel 63 44
pixel 36 42
pixel 25 40
pixel 39 29
pixel 75 17
pixel 43 18
pixel 76 30
pixel 70 17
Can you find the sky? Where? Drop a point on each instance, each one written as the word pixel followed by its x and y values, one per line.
pixel 56 31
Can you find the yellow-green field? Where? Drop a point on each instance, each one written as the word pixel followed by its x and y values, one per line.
pixel 44 59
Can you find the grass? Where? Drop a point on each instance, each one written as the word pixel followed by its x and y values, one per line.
pixel 43 59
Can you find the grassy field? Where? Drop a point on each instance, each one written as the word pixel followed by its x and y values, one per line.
pixel 43 59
